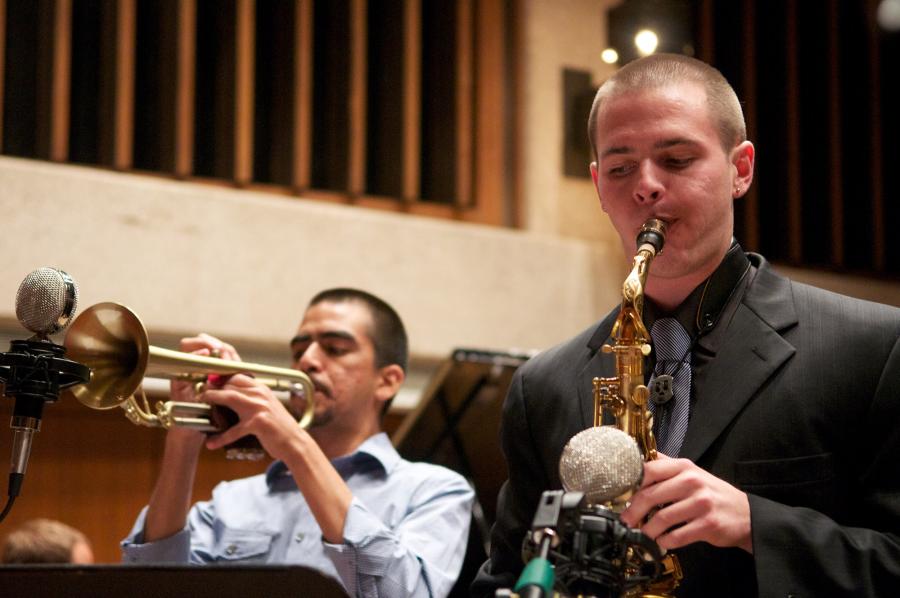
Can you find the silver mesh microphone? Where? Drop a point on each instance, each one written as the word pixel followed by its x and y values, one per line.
pixel 46 301
pixel 603 462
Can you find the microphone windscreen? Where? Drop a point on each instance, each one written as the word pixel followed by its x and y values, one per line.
pixel 603 462
pixel 46 301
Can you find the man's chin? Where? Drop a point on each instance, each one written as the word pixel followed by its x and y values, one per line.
pixel 321 418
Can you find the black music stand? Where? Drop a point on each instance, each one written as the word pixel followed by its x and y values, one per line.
pixel 456 424
pixel 164 581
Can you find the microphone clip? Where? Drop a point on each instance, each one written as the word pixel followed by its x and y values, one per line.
pixel 593 552
pixel 661 389
pixel 38 370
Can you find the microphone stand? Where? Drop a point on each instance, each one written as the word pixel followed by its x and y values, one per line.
pixel 34 372
pixel 584 550
pixel 537 579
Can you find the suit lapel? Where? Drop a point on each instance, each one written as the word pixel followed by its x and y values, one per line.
pixel 751 351
pixel 753 348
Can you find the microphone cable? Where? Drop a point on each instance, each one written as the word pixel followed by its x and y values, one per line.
pixel 13 487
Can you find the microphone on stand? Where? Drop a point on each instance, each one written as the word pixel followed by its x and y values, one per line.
pixel 46 302
pixel 35 370
pixel 604 463
pixel 593 552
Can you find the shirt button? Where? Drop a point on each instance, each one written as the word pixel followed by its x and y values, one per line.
pixel 231 549
pixel 299 537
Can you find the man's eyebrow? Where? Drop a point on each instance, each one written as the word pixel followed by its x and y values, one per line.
pixel 328 334
pixel 616 150
pixel 664 144
pixel 300 338
pixel 667 143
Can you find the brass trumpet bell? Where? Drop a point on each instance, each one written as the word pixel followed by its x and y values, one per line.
pixel 111 340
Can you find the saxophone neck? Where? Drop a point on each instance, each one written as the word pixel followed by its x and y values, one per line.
pixel 624 395
pixel 649 242
pixel 629 326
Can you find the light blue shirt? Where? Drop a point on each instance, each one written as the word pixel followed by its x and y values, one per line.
pixel 405 534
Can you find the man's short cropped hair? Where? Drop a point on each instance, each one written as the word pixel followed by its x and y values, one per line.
pixel 659 70
pixel 388 334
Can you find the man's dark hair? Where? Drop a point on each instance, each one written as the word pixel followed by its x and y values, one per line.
pixel 388 334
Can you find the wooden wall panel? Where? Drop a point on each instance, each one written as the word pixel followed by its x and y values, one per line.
pixel 879 230
pixel 94 470
pixel 126 17
pixel 303 60
pixel 61 80
pixel 464 95
pixel 356 175
pixel 814 93
pixel 835 198
pixel 2 63
pixel 751 199
pixel 185 82
pixel 244 79
pixel 490 145
pixel 442 132
pixel 412 97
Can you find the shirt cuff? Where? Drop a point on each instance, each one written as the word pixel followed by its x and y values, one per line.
pixel 174 549
pixel 361 554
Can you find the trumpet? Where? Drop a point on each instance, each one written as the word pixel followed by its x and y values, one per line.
pixel 111 340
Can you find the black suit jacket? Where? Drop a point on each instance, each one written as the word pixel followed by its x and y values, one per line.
pixel 801 410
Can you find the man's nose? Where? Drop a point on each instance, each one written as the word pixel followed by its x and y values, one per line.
pixel 310 361
pixel 649 187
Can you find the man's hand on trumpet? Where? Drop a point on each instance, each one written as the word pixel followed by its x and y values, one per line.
pixel 205 344
pixel 183 391
pixel 208 346
pixel 260 414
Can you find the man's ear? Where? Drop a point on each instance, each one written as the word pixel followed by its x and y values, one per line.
pixel 595 175
pixel 390 378
pixel 743 157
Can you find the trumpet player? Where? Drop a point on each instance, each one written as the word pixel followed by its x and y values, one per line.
pixel 778 472
pixel 338 497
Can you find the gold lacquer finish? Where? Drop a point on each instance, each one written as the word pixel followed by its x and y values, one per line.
pixel 111 340
pixel 625 395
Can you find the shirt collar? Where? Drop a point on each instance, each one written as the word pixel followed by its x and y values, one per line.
pixel 376 449
pixel 700 311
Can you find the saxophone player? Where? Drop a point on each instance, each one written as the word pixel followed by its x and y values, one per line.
pixel 777 473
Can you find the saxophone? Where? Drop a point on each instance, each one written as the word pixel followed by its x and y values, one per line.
pixel 624 396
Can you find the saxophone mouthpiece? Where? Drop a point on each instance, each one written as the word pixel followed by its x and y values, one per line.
pixel 653 233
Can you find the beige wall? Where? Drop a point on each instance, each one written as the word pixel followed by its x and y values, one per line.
pixel 555 36
pixel 188 257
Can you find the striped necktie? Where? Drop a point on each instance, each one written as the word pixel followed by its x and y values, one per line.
pixel 673 371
